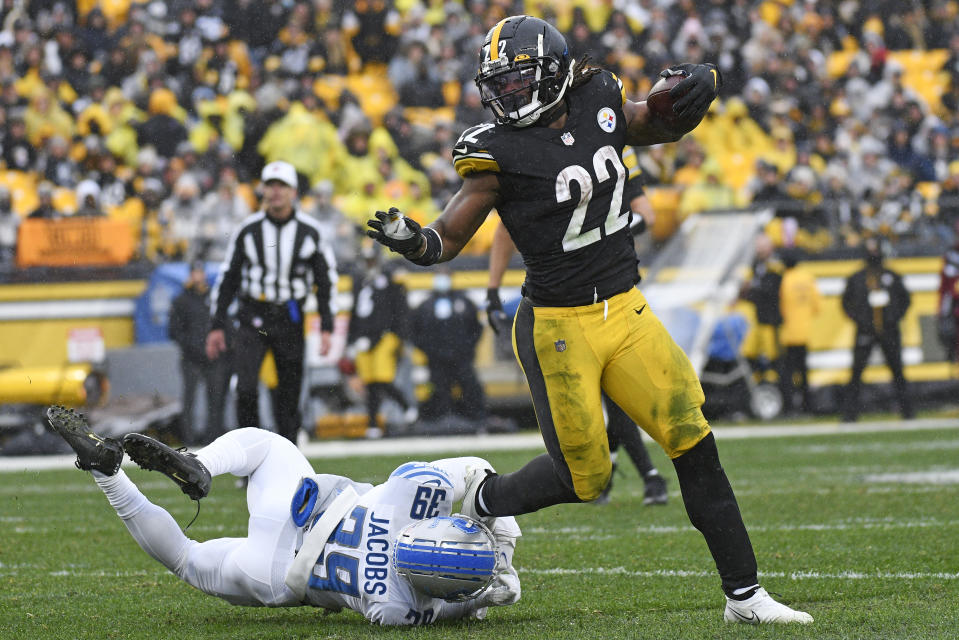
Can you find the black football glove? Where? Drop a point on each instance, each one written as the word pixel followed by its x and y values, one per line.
pixel 405 238
pixel 495 315
pixel 693 95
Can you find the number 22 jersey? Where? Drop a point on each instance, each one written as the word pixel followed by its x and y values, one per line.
pixel 561 195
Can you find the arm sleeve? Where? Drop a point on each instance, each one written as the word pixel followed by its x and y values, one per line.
pixel 227 282
pixel 903 298
pixel 847 300
pixel 325 279
pixel 175 322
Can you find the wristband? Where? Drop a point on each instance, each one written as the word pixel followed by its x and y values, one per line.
pixel 433 251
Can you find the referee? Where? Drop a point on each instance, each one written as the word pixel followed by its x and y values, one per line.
pixel 274 261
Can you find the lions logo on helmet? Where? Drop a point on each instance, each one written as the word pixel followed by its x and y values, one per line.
pixel 448 557
pixel 524 69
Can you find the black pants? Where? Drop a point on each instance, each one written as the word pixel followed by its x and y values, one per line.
pixel 215 376
pixel 891 344
pixel 446 372
pixel 793 364
pixel 376 393
pixel 284 336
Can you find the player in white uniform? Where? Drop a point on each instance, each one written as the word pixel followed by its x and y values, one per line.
pixel 313 539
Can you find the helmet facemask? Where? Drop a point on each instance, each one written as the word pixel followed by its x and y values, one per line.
pixel 447 557
pixel 521 89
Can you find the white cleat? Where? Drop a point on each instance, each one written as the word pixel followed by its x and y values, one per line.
pixel 762 609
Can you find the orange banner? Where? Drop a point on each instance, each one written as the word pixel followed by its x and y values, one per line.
pixel 74 242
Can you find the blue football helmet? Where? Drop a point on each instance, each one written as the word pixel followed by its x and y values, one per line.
pixel 448 557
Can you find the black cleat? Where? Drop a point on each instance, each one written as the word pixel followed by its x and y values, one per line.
pixel 93 452
pixel 176 464
pixel 655 490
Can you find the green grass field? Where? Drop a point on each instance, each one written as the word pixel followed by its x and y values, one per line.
pixel 868 554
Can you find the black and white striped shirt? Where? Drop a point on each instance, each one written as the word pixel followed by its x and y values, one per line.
pixel 275 262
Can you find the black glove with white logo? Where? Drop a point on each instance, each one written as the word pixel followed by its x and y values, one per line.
pixel 394 230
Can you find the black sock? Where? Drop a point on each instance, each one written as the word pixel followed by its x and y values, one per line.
pixel 712 509
pixel 535 486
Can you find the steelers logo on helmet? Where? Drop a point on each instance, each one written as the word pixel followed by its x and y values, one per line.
pixel 524 69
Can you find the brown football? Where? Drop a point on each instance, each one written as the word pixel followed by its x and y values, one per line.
pixel 660 102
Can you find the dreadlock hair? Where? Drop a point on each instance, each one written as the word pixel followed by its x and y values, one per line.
pixel 582 72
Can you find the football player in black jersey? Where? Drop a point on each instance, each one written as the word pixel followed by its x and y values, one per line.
pixel 551 165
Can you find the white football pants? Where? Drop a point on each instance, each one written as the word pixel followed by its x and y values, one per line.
pixel 242 571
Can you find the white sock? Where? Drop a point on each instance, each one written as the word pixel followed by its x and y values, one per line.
pixel 123 495
pixel 151 526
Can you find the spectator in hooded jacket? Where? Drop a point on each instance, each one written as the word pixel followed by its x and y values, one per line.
pixel 189 325
pixel 763 291
pixel 446 328
pixel 798 304
pixel 45 209
pixel 88 200
pixel 876 300
pixel 375 337
pixel 162 131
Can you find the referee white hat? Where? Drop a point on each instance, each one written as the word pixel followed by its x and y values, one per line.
pixel 282 171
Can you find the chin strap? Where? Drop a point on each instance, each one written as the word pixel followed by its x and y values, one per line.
pixel 548 109
pixel 555 113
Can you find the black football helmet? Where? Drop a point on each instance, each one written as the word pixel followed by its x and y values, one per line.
pixel 524 69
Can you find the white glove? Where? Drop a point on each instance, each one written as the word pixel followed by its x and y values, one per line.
pixel 504 591
pixel 361 345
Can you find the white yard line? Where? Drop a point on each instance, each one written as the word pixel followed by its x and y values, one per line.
pixel 946 476
pixel 590 534
pixel 14 571
pixel 792 575
pixel 426 447
pixel 598 533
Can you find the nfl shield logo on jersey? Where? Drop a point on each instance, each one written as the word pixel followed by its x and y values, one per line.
pixel 560 345
pixel 567 139
pixel 606 119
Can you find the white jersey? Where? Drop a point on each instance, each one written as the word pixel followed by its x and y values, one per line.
pixel 293 554
pixel 355 569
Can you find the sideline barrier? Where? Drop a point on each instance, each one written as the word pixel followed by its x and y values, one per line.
pixel 74 242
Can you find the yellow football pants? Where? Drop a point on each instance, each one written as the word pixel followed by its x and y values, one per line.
pixel 379 363
pixel 569 353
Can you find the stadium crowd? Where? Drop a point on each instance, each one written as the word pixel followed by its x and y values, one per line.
pixel 841 116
